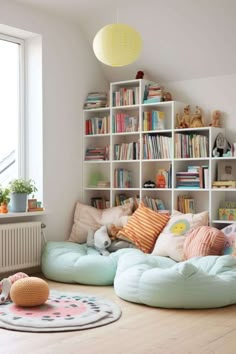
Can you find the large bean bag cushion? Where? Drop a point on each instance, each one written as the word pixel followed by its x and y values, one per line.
pixel 201 282
pixel 70 262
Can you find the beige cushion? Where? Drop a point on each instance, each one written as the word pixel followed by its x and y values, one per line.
pixel 88 218
pixel 204 241
pixel 170 242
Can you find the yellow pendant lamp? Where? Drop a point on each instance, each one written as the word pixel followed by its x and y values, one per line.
pixel 117 45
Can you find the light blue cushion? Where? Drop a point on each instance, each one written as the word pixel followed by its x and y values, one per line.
pixel 203 282
pixel 70 262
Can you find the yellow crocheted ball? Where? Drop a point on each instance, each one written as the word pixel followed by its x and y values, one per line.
pixel 30 291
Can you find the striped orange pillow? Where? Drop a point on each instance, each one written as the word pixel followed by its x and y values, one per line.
pixel 143 228
pixel 203 241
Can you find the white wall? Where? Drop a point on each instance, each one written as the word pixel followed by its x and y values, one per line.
pixel 210 93
pixel 70 70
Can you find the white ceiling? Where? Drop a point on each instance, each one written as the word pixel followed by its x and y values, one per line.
pixel 182 39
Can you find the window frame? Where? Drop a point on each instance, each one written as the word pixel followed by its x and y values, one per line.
pixel 21 151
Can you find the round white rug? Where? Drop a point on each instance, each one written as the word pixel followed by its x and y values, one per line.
pixel 61 312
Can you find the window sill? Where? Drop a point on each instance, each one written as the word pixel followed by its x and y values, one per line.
pixel 22 215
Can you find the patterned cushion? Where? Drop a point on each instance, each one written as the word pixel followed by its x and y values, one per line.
pixel 143 228
pixel 88 218
pixel 170 242
pixel 203 241
pixel 230 239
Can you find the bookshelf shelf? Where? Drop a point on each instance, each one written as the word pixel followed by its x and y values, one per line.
pixel 125 126
pixel 222 221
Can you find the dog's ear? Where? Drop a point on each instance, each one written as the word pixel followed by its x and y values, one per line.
pixel 5 286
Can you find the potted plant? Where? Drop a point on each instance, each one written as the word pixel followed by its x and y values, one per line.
pixel 4 199
pixel 20 189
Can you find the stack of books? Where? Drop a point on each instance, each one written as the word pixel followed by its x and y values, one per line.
pixel 96 100
pixel 97 153
pixel 195 177
pixel 153 93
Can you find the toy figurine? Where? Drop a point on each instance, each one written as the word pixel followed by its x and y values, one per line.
pixel 184 121
pixel 197 120
pixel 139 75
pixel 167 96
pixel 215 119
pixel 6 283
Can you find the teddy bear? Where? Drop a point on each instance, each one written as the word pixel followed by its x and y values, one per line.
pixel 184 121
pixel 167 96
pixel 113 231
pixel 6 283
pixel 197 119
pixel 215 119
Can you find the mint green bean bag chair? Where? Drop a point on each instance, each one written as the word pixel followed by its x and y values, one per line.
pixel 70 262
pixel 201 282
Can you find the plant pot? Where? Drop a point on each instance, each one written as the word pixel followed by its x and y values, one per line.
pixel 32 204
pixel 18 202
pixel 4 208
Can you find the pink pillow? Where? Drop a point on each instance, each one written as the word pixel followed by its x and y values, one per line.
pixel 203 241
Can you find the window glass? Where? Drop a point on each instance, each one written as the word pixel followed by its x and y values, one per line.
pixel 9 110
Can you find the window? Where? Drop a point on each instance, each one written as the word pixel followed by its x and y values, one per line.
pixel 11 109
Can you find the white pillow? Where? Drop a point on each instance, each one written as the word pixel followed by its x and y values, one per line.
pixel 170 242
pixel 88 218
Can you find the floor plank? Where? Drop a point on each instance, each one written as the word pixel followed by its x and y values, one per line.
pixel 140 330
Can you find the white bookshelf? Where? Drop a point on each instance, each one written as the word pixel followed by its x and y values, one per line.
pixel 146 169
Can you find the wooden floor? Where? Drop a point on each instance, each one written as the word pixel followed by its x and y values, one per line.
pixel 140 330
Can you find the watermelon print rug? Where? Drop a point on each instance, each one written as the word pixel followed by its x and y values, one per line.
pixel 61 312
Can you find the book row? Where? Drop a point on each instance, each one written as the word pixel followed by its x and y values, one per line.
pixel 125 96
pixel 191 146
pixel 97 125
pixel 156 146
pixel 126 151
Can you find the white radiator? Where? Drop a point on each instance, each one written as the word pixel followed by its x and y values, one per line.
pixel 20 245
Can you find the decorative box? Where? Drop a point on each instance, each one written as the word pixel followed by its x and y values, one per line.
pixel 227 211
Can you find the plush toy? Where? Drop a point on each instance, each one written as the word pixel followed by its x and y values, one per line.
pixel 221 146
pixel 184 121
pixel 99 240
pixel 116 243
pixel 197 119
pixel 215 119
pixel 6 283
pixel 113 231
pixel 139 75
pixel 167 96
